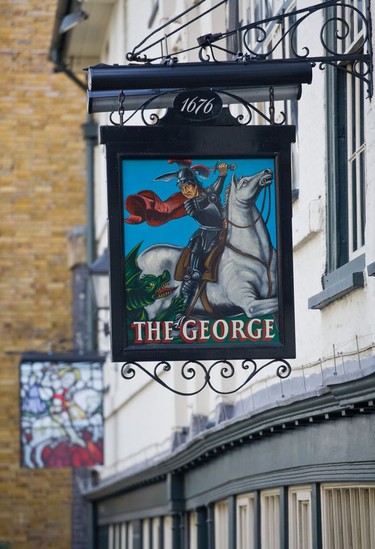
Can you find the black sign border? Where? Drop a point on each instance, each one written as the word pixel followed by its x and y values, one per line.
pixel 184 141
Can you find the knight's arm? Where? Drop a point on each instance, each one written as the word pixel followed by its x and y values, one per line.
pixel 217 186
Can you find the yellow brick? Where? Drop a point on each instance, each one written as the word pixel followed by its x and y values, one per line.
pixel 42 167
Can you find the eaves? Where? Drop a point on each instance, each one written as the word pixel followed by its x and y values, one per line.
pixel 336 399
pixel 82 45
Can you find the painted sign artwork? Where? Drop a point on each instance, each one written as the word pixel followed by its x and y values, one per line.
pixel 200 251
pixel 61 414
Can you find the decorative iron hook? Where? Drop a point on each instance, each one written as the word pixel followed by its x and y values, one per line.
pixel 120 110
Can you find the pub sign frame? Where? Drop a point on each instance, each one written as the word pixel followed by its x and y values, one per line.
pixel 144 167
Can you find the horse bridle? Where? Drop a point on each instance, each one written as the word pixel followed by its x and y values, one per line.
pixel 266 194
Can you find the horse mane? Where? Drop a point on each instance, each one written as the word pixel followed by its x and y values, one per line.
pixel 226 196
pixel 226 199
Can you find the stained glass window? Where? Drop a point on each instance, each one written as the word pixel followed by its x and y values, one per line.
pixel 61 413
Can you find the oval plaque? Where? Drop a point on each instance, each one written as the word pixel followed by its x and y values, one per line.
pixel 198 104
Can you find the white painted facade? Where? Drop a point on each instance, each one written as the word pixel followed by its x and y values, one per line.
pixel 149 430
pixel 142 417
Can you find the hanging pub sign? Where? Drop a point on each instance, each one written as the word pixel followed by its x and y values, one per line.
pixel 200 241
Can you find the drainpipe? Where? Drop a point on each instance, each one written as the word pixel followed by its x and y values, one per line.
pixel 89 132
pixel 90 135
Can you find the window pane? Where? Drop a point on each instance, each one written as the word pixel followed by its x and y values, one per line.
pixel 168 533
pixel 347 517
pixel 221 525
pixel 193 530
pixel 346 151
pixel 245 521
pixel 270 519
pixel 146 534
pixel 155 533
pixel 356 172
pixel 300 532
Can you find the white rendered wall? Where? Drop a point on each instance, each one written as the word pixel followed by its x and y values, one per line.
pixel 141 416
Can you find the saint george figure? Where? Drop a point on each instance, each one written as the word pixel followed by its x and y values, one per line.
pixel 202 204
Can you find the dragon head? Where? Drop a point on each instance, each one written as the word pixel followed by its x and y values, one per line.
pixel 156 287
pixel 143 289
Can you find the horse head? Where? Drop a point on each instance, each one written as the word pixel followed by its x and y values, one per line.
pixel 248 187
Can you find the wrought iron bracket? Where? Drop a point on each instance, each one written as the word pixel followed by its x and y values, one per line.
pixel 276 38
pixel 200 375
pixel 153 119
pixel 345 41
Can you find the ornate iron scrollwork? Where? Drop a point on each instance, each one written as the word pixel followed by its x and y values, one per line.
pixel 152 119
pixel 340 22
pixel 273 38
pixel 204 376
pixel 276 38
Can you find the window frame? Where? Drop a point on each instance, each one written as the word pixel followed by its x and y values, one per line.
pixel 297 527
pixel 345 201
pixel 270 534
pixel 221 522
pixel 247 530
pixel 342 207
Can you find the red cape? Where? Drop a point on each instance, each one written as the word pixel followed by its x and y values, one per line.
pixel 147 206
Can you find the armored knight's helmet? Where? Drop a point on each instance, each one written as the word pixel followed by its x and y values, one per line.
pixel 186 174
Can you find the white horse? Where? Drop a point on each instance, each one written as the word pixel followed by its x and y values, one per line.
pixel 247 270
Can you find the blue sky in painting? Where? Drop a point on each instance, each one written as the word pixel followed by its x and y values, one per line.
pixel 139 175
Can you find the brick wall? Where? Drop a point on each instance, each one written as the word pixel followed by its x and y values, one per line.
pixel 42 187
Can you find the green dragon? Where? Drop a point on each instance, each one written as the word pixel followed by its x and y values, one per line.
pixel 144 289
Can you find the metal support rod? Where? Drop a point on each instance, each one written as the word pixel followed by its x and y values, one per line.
pixel 198 75
pixel 272 105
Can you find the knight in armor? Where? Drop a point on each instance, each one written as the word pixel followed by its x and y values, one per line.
pixel 202 204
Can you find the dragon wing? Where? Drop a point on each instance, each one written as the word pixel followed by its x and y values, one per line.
pixel 132 270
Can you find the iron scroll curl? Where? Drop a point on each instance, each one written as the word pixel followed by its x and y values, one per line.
pixel 208 97
pixel 204 375
pixel 257 41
